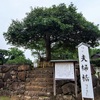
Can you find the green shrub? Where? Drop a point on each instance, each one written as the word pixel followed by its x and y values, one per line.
pixel 19 60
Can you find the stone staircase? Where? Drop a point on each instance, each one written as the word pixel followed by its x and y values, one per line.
pixel 39 84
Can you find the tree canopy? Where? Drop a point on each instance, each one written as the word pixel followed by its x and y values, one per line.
pixel 50 29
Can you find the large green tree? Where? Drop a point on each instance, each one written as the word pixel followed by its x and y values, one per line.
pixel 48 29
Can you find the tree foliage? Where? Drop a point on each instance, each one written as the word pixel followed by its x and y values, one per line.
pixel 3 55
pixel 94 51
pixel 48 29
pixel 95 56
pixel 14 56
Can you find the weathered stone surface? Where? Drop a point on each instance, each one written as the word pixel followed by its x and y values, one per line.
pixel 27 97
pixel 4 92
pixel 5 69
pixel 14 77
pixel 21 83
pixel 61 83
pixel 79 97
pixel 64 97
pixel 94 80
pixel 1 75
pixel 14 86
pixel 68 97
pixel 7 76
pixel 14 67
pixel 99 80
pixel 1 80
pixel 22 76
pixel 12 72
pixel 68 88
pixel 59 90
pixel 97 93
pixel 27 79
pixel 18 86
pixel 0 68
pixel 15 98
pixel 1 84
pixel 59 97
pixel 23 67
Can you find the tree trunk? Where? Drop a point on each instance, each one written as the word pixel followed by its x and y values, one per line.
pixel 48 47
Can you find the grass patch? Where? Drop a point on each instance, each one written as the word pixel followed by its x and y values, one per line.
pixel 4 98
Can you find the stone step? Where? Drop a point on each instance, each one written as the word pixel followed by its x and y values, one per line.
pixel 39 88
pixel 27 97
pixel 32 83
pixel 44 98
pixel 42 70
pixel 39 84
pixel 37 98
pixel 40 75
pixel 38 93
pixel 39 80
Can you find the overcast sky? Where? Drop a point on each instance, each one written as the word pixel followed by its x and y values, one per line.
pixel 16 9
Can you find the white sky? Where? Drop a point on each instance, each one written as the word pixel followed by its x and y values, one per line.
pixel 16 9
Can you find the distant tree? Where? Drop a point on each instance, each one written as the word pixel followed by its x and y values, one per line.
pixel 3 55
pixel 48 29
pixel 15 56
pixel 15 52
pixel 4 52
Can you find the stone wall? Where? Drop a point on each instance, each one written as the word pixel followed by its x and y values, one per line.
pixel 12 79
pixel 20 82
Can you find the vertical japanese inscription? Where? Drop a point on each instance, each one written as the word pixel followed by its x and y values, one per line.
pixel 84 67
pixel 85 72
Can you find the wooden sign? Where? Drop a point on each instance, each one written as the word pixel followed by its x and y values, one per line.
pixel 85 72
pixel 64 71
